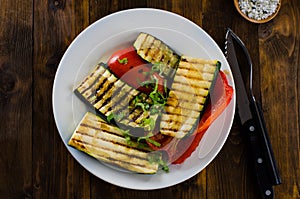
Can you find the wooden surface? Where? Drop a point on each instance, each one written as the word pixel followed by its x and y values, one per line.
pixel 34 163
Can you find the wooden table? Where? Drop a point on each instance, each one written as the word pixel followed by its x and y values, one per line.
pixel 34 163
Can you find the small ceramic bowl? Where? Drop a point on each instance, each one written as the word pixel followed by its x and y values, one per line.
pixel 236 3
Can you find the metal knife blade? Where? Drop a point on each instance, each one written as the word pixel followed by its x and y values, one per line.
pixel 253 124
pixel 242 98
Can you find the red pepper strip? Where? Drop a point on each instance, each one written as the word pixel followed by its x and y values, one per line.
pixel 212 112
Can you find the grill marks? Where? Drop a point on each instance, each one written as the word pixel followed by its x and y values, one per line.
pixel 188 95
pixel 108 95
pixel 155 51
pixel 192 79
pixel 187 98
pixel 106 143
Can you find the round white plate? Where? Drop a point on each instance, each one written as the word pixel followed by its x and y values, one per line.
pixel 97 42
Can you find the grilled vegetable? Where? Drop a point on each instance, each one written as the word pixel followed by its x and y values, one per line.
pixel 222 94
pixel 189 93
pixel 155 51
pixel 115 99
pixel 107 143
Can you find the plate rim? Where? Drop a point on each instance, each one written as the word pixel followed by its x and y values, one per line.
pixel 91 26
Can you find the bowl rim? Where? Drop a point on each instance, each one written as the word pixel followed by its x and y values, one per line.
pixel 236 4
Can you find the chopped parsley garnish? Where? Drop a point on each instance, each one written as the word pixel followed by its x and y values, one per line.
pixel 110 117
pixel 158 67
pixel 156 97
pixel 155 157
pixel 114 116
pixel 144 106
pixel 147 138
pixel 150 122
pixel 127 137
pixel 123 61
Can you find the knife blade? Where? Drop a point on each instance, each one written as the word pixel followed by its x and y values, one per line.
pixel 252 121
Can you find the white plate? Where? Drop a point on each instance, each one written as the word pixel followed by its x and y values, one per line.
pixel 114 32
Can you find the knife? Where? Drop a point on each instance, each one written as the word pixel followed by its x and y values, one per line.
pixel 252 121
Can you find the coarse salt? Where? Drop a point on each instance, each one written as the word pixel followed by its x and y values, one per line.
pixel 258 9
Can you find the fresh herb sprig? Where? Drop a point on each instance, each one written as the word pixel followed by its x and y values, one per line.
pixel 129 139
pixel 156 97
pixel 123 61
pixel 115 116
pixel 155 157
pixel 147 138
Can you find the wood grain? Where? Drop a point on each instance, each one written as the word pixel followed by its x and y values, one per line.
pixel 280 39
pixel 55 25
pixel 15 99
pixel 34 162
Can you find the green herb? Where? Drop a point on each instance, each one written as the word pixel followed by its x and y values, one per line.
pixel 155 157
pixel 127 137
pixel 123 61
pixel 141 102
pixel 148 139
pixel 143 146
pixel 153 142
pixel 156 102
pixel 144 106
pixel 156 96
pixel 147 83
pixel 158 67
pixel 116 117
pixel 164 166
pixel 110 117
pixel 150 122
pixel 137 99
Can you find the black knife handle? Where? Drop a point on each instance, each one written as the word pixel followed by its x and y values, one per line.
pixel 265 142
pixel 258 159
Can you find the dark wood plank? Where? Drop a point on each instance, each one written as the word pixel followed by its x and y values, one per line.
pixel 99 9
pixel 56 175
pixel 191 10
pixel 279 39
pixel 15 98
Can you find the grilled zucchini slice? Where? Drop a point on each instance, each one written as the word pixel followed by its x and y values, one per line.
pixel 155 51
pixel 190 90
pixel 109 96
pixel 107 143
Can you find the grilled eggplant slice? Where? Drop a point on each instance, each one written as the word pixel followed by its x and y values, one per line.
pixel 189 93
pixel 155 51
pixel 106 143
pixel 109 95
